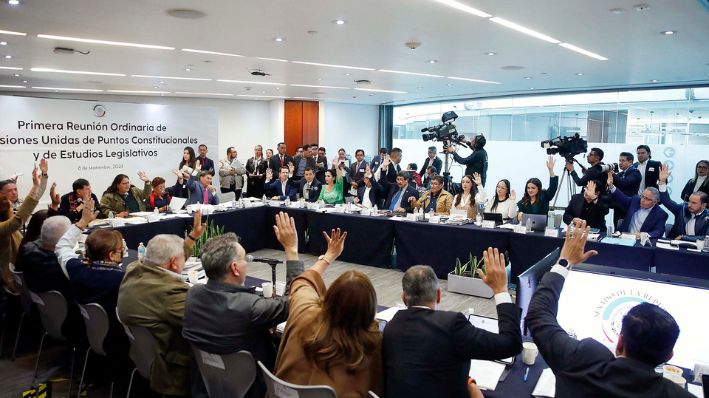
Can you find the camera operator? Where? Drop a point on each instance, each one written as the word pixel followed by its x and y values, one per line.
pixel 477 161
pixel 595 172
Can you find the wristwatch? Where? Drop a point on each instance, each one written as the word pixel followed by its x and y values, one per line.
pixel 564 262
pixel 325 259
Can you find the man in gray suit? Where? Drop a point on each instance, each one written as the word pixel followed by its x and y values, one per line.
pixel 244 318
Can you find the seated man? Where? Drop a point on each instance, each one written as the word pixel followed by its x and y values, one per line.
pixel 152 295
pixel 587 368
pixel 643 214
pixel 399 194
pixel 369 192
pixel 202 191
pixel 427 352
pixel 435 199
pixel 309 187
pixel 587 206
pixel 691 217
pixel 244 317
pixel 72 203
pixel 281 188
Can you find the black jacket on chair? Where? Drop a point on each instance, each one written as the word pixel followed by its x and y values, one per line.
pixel 587 368
pixel 427 353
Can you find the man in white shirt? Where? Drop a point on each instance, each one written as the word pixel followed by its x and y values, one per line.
pixel 369 192
pixel 231 173
pixel 691 217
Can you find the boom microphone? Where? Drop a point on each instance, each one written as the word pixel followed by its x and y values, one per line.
pixel 266 260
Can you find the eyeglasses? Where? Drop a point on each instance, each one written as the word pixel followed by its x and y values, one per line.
pixel 646 198
pixel 703 167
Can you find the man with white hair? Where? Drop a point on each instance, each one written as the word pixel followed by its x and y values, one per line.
pixel 152 295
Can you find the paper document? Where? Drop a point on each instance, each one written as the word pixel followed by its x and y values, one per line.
pixel 618 241
pixel 177 203
pixel 387 314
pixel 546 386
pixel 486 373
pixel 666 246
pixel 281 327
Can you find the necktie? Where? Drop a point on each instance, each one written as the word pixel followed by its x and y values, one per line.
pixel 395 199
pixel 281 160
pixel 206 196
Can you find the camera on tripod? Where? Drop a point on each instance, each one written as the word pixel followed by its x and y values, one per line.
pixel 567 147
pixel 445 132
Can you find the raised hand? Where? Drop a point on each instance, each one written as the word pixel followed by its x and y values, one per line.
pixel 550 165
pixel 286 234
pixel 197 166
pixel 36 177
pixel 335 243
pixel 609 180
pixel 269 174
pixel 88 214
pixel 477 179
pixel 197 226
pixel 143 177
pixel 495 274
pixel 591 189
pixel 574 243
pixel 43 166
pixel 291 168
pixel 513 195
pixel 54 196
pixel 664 173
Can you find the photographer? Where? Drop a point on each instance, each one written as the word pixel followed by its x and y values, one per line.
pixel 595 172
pixel 477 161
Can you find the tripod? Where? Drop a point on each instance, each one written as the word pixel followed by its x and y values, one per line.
pixel 448 184
pixel 570 184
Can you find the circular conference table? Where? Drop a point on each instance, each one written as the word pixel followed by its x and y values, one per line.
pixel 388 242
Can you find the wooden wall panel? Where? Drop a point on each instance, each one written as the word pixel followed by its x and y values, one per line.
pixel 293 125
pixel 311 119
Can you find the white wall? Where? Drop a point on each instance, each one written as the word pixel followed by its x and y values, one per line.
pixel 348 126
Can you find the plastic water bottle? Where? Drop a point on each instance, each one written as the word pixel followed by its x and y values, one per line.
pixel 287 201
pixel 141 251
pixel 478 219
pixel 706 244
pixel 125 248
pixel 430 214
pixel 550 219
pixel 263 199
pixel 529 225
pixel 110 214
pixel 374 208
pixel 156 211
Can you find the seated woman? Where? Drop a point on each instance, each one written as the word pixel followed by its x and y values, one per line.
pixel 72 203
pixel 469 197
pixel 332 193
pixel 504 201
pixel 415 176
pixel 536 200
pixel 122 198
pixel 96 278
pixel 331 337
pixel 11 222
pixel 159 198
pixel 437 199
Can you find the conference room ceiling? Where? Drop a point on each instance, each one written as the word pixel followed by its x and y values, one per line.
pixel 372 35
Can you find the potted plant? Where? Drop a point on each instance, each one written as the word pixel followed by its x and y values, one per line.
pixel 210 231
pixel 464 278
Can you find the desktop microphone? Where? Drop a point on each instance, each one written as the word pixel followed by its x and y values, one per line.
pixel 266 260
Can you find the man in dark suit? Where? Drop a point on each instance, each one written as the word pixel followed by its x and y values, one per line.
pixel 649 169
pixel 390 165
pixel 301 162
pixel 206 163
pixel 642 212
pixel 627 180
pixel 202 191
pixel 309 187
pixel 369 193
pixel 587 206
pixel 281 188
pixel 587 368
pixel 691 217
pixel 357 168
pixel 280 159
pixel 320 163
pixel 595 172
pixel 432 160
pixel 427 352
pixel 377 160
pixel 399 194
pixel 245 318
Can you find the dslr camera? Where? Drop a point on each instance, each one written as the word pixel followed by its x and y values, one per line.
pixel 567 147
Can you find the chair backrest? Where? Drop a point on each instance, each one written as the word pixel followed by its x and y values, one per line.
pixel 143 347
pixel 52 308
pixel 226 376
pixel 226 197
pixel 96 321
pixel 25 294
pixel 278 388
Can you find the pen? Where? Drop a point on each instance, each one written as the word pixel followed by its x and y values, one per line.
pixel 526 374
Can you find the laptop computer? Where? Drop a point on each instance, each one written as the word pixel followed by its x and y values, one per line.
pixel 539 221
pixel 496 217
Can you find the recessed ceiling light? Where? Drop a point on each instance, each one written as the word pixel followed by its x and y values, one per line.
pixel 464 8
pixel 10 86
pixel 156 86
pixel 263 92
pixel 137 92
pixel 250 82
pixel 490 53
pixel 641 7
pixel 272 59
pixel 319 79
pixel 172 77
pixel 107 42
pixel 654 81
pixel 75 72
pixel 432 61
pixel 617 10
pixel 331 65
pixel 192 50
pixel 9 32
pixel 583 51
pixel 381 91
pixel 67 89
pixel 315 86
pixel 279 39
pixel 162 82
pixel 8 56
pixel 449 85
pixel 185 13
pixel 188 69
pixel 13 2
pixel 190 93
pixel 528 78
pixel 3 43
pixel 260 96
pixel 348 74
pixel 525 30
pixel 339 21
pixel 668 32
pixel 579 74
pixel 401 72
pixel 531 88
pixel 9 68
pixel 17 75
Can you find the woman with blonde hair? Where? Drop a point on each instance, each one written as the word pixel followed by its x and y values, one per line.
pixel 331 337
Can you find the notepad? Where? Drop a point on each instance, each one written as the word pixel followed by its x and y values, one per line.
pixel 387 314
pixel 618 241
pixel 546 385
pixel 486 373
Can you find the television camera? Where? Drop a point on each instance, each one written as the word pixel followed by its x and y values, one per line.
pixel 445 132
